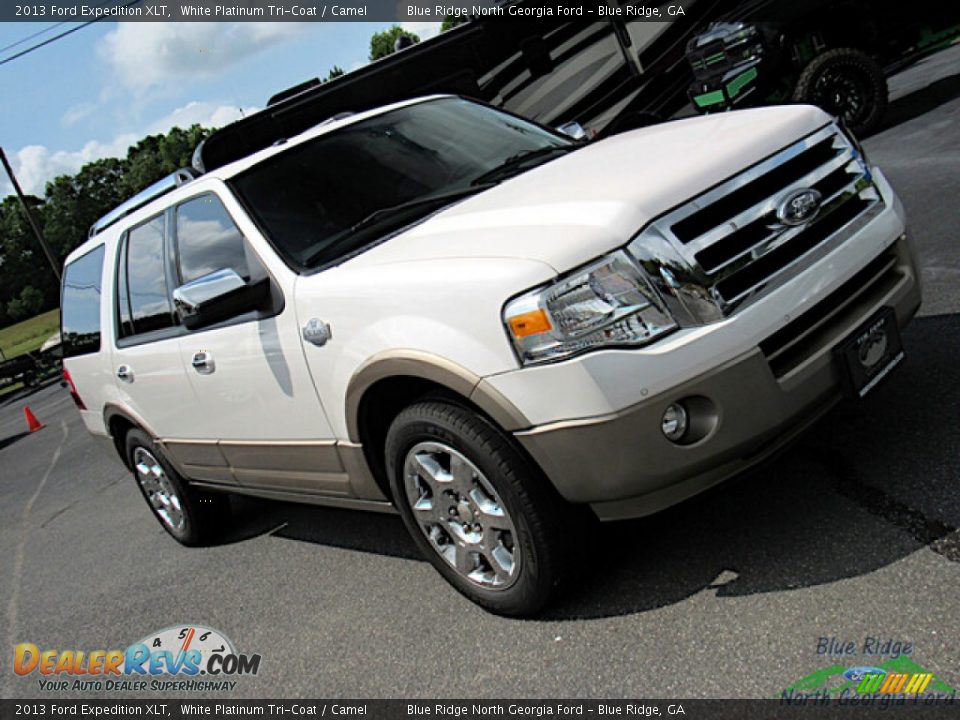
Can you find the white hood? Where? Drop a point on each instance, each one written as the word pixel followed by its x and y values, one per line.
pixel 582 205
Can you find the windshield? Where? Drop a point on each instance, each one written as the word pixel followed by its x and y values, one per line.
pixel 332 195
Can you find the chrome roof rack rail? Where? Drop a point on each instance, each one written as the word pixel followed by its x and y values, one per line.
pixel 161 187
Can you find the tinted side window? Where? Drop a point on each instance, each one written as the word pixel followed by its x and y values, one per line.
pixel 146 281
pixel 80 314
pixel 207 240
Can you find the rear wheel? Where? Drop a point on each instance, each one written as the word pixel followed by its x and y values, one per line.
pixel 189 515
pixel 847 83
pixel 486 519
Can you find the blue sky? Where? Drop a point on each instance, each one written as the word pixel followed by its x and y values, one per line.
pixel 93 93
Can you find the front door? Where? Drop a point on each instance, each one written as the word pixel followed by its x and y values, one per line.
pixel 257 413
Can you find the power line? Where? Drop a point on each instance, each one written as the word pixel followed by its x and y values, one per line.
pixel 61 35
pixel 33 35
pixel 47 42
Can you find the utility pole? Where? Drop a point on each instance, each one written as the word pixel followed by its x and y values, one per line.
pixel 33 223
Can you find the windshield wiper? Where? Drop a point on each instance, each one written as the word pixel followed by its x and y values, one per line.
pixel 394 213
pixel 516 163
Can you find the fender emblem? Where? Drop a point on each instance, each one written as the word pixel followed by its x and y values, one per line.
pixel 316 332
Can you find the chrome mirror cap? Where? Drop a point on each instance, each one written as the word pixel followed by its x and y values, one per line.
pixel 573 130
pixel 190 296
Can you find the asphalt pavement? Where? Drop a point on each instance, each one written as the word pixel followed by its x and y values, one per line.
pixel 852 533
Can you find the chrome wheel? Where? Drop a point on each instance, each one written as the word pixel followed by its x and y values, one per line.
pixel 160 492
pixel 461 515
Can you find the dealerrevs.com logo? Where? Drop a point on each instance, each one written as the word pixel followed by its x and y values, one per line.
pixel 178 658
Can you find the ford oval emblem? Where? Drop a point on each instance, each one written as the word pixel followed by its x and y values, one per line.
pixel 855 674
pixel 799 207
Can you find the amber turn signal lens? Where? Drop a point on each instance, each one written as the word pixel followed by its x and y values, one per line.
pixel 530 323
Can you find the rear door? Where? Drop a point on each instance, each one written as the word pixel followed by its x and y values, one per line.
pixel 148 372
pixel 256 399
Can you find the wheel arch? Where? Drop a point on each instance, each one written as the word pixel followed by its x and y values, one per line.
pixel 392 380
pixel 119 421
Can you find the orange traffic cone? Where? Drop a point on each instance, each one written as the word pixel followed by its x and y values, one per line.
pixel 32 423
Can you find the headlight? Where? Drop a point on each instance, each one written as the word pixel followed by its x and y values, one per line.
pixel 608 303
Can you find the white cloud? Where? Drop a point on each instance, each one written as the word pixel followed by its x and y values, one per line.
pixel 424 30
pixel 144 55
pixel 35 165
pixel 77 113
pixel 201 113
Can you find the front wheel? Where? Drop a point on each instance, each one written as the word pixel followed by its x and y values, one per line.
pixel 486 519
pixel 847 83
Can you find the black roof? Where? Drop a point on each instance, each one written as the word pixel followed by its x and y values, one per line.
pixel 408 73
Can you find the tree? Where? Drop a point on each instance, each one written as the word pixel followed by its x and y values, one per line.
pixel 335 72
pixel 156 156
pixel 74 202
pixel 22 261
pixel 27 304
pixel 451 21
pixel 71 204
pixel 385 43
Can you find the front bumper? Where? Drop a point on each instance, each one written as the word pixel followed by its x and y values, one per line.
pixel 623 466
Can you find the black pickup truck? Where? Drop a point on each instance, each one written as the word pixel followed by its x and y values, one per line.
pixel 30 369
pixel 833 53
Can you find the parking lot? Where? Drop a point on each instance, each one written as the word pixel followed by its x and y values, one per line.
pixel 851 533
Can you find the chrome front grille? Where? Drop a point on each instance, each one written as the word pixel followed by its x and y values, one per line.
pixel 730 244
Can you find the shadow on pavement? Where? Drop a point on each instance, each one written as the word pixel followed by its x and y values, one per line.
pixel 873 482
pixel 920 102
pixel 6 442
pixel 333 527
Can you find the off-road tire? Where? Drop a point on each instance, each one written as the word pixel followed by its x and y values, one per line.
pixel 859 69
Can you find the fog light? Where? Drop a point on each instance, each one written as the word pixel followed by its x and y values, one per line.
pixel 674 423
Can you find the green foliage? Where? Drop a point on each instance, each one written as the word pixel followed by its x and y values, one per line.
pixel 71 204
pixel 451 21
pixel 335 72
pixel 384 43
pixel 75 202
pixel 27 304
pixel 156 156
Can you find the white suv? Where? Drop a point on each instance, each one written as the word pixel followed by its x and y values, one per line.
pixel 441 308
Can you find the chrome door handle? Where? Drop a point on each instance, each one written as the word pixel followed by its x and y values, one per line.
pixel 203 362
pixel 125 373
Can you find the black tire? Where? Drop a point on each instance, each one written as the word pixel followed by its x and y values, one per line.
pixel 847 83
pixel 205 515
pixel 547 528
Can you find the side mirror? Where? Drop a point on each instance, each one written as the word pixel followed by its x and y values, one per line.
pixel 218 296
pixel 573 130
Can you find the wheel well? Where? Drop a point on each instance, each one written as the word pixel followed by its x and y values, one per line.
pixel 382 402
pixel 119 426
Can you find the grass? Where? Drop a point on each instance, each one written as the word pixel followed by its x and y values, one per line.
pixel 29 335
